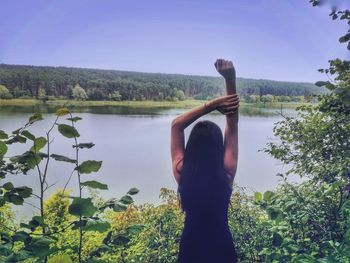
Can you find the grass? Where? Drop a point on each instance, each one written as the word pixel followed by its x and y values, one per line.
pixel 137 104
pixel 75 103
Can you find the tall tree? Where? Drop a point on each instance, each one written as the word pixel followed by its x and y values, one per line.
pixel 4 93
pixel 79 93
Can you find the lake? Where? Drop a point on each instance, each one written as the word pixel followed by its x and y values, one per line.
pixel 134 145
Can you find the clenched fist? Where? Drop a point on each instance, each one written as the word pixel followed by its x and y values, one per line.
pixel 226 69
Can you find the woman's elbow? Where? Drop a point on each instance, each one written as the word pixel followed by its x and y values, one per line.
pixel 231 168
pixel 175 123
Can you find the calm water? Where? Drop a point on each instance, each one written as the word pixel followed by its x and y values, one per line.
pixel 134 148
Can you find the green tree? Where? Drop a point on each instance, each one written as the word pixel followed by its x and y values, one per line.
pixel 253 98
pixel 5 93
pixel 298 98
pixel 96 94
pixel 180 95
pixel 79 93
pixel 115 95
pixel 268 98
pixel 42 94
pixel 312 220
pixel 285 98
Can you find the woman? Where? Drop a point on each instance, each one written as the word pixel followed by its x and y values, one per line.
pixel 204 171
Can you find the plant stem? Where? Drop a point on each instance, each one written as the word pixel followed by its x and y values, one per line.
pixel 80 195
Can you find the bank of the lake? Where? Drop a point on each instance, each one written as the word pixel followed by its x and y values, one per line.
pixel 137 104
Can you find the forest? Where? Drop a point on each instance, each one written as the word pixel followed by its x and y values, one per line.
pixel 95 84
pixel 306 222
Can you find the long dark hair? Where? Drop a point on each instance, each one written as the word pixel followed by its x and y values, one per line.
pixel 202 179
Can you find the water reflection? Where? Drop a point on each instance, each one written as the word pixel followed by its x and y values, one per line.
pixel 132 110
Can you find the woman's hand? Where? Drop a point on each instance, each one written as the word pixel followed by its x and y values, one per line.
pixel 226 104
pixel 226 69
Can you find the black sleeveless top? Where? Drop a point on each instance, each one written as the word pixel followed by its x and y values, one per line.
pixel 206 237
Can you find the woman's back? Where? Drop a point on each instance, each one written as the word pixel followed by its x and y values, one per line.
pixel 206 236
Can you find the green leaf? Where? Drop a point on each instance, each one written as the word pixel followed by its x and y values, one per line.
pixel 277 239
pixel 23 191
pixel 97 252
pixel 16 139
pixel 60 259
pixel 267 196
pixel 21 139
pixel 2 201
pixel 5 250
pixel 95 184
pixel 3 135
pixel 14 199
pixel 42 155
pixel 34 160
pixel 273 213
pixel 68 131
pixel 39 143
pixel 16 132
pixel 135 229
pixel 89 166
pixel 24 225
pixel 119 207
pixel 62 158
pixel 258 196
pixel 87 145
pixel 97 225
pixel 41 247
pixel 8 186
pixel 21 255
pixel 20 236
pixel 29 158
pixel 74 119
pixel 305 259
pixel 62 111
pixel 35 221
pixel 339 91
pixel 28 135
pixel 38 219
pixel 36 117
pixel 3 149
pixel 126 200
pixel 120 240
pixel 344 38
pixel 133 191
pixel 77 224
pixel 108 238
pixel 321 83
pixel 82 207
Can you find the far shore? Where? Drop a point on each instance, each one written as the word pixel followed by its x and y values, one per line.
pixel 137 104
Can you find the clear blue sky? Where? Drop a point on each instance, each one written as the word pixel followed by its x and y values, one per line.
pixel 269 39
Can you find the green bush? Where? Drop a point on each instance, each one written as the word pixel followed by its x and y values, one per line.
pixel 5 93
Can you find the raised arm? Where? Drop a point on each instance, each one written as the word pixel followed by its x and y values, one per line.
pixel 225 105
pixel 226 69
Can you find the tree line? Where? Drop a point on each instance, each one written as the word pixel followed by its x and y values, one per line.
pixel 19 81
